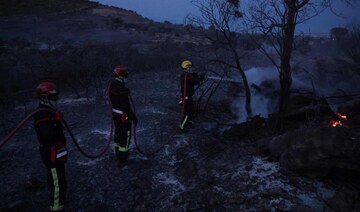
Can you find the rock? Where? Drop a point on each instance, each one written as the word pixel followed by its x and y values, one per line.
pixel 322 150
pixel 302 108
pixel 319 151
pixel 246 129
pixel 275 146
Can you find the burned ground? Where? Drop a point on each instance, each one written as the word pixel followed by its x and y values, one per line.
pixel 201 169
pixel 196 170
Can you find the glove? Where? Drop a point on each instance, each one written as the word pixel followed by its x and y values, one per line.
pixel 59 116
pixel 180 100
pixel 135 121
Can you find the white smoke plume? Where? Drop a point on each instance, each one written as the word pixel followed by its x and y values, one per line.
pixel 264 82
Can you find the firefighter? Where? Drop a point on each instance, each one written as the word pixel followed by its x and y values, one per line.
pixel 188 81
pixel 52 141
pixel 122 113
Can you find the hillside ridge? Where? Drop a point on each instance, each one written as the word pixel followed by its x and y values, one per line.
pixel 43 8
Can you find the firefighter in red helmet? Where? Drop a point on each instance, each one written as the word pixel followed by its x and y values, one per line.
pixel 122 113
pixel 188 80
pixel 52 143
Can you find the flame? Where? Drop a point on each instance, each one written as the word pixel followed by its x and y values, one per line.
pixel 338 123
pixel 341 116
pixel 335 123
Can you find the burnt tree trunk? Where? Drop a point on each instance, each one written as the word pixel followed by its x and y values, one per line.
pixel 247 91
pixel 232 47
pixel 245 82
pixel 285 67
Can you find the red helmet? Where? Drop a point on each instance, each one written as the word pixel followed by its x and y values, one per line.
pixel 45 89
pixel 120 71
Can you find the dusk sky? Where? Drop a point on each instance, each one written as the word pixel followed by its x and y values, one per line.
pixel 175 11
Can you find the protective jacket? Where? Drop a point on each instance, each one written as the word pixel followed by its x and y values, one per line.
pixel 122 117
pixel 192 79
pixel 188 81
pixel 119 97
pixel 53 154
pixel 49 132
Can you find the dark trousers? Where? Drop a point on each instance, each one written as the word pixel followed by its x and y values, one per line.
pixel 56 181
pixel 57 187
pixel 122 138
pixel 188 113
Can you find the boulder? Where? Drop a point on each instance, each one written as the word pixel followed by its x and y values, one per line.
pixel 302 111
pixel 251 128
pixel 320 151
pixel 303 107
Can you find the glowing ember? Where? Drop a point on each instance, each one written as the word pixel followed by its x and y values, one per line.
pixel 335 123
pixel 341 116
pixel 338 123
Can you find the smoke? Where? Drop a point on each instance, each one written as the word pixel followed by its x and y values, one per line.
pixel 324 77
pixel 263 85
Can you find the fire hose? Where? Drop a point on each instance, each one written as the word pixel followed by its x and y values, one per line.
pixel 103 151
pixel 13 131
pixel 136 141
pixel 135 137
pixel 161 147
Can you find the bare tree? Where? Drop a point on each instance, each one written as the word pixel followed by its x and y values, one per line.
pixel 221 17
pixel 352 47
pixel 277 20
